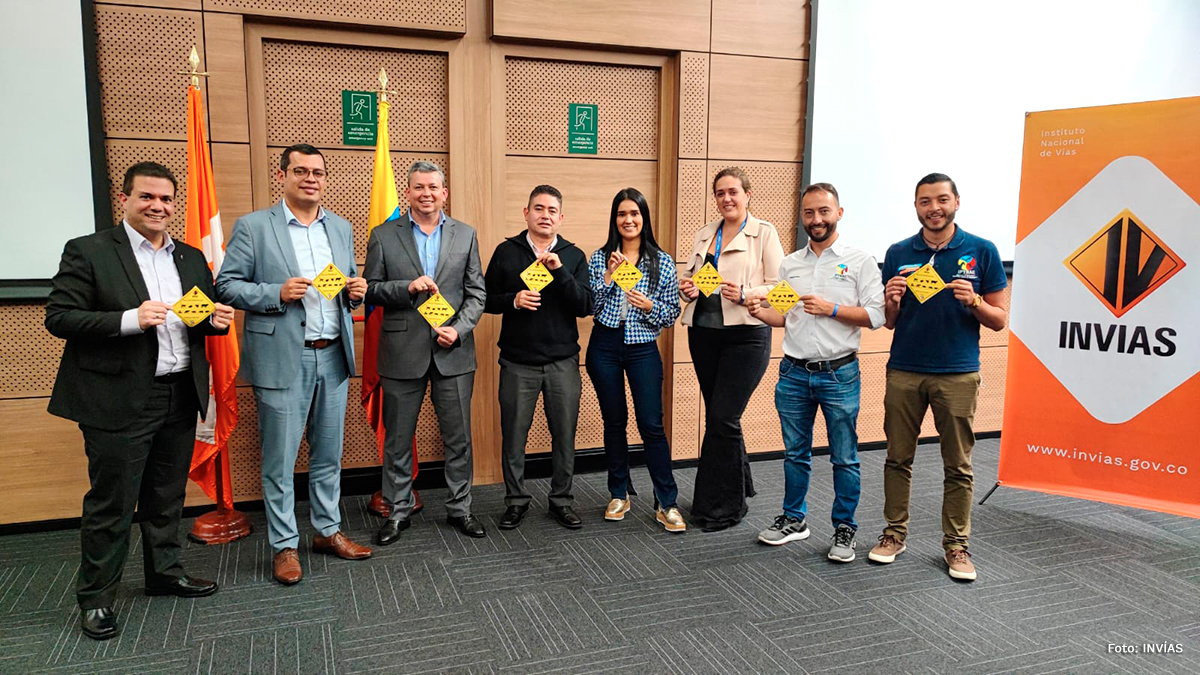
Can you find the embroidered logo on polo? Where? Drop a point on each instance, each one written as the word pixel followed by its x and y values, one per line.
pixel 841 273
pixel 1123 263
pixel 1114 290
pixel 905 270
pixel 966 267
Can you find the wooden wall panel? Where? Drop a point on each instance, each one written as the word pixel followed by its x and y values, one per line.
pixel 442 16
pixel 227 104
pixel 539 91
pixel 665 24
pixel 776 28
pixel 693 194
pixel 45 469
pixel 693 105
pixel 231 170
pixel 29 357
pixel 588 186
pixel 688 414
pixel 756 108
pixel 139 51
pixel 165 4
pixel 304 84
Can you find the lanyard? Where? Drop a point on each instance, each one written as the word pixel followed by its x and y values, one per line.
pixel 721 234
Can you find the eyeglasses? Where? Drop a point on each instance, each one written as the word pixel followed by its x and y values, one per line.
pixel 303 172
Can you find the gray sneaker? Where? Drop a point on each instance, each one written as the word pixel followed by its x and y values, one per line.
pixel 784 529
pixel 842 548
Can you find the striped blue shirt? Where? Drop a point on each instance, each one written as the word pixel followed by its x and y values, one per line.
pixel 612 307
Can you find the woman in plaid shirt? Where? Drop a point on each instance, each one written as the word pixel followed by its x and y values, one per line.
pixel 623 343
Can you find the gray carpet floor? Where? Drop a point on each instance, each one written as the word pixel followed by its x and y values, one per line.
pixel 1064 586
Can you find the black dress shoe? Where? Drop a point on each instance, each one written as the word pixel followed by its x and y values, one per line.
pixel 468 525
pixel 184 587
pixel 391 530
pixel 512 517
pixel 99 624
pixel 566 517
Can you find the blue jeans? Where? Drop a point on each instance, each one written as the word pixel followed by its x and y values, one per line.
pixel 609 360
pixel 797 396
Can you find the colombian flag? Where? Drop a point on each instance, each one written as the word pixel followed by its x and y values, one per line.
pixel 204 232
pixel 385 208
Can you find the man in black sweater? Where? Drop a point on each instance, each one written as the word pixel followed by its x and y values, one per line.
pixel 539 349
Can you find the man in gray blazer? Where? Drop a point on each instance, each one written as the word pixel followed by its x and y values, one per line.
pixel 408 260
pixel 298 350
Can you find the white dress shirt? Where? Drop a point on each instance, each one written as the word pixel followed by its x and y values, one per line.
pixel 842 274
pixel 322 318
pixel 162 281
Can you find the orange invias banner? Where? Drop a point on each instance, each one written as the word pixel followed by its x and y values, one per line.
pixel 1102 399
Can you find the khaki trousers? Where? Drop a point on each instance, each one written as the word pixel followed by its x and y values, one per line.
pixel 952 397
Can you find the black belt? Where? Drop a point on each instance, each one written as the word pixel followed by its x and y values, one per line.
pixel 172 378
pixel 321 344
pixel 822 366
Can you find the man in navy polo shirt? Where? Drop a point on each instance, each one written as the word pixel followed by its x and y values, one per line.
pixel 934 363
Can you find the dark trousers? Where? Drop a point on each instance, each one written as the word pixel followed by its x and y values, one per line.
pixel 609 361
pixel 143 466
pixel 520 385
pixel 729 364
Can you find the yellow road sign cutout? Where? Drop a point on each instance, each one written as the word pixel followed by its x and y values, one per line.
pixel 193 307
pixel 536 277
pixel 925 283
pixel 436 310
pixel 707 279
pixel 330 281
pixel 627 275
pixel 783 298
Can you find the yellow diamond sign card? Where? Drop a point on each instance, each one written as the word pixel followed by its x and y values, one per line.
pixel 436 310
pixel 330 281
pixel 707 279
pixel 627 275
pixel 783 298
pixel 925 283
pixel 536 277
pixel 193 307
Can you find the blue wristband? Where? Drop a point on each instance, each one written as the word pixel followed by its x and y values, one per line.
pixel 835 309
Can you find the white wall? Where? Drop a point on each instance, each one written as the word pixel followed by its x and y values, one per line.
pixel 45 160
pixel 903 89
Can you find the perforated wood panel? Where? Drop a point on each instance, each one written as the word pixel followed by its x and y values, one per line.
pixel 171 154
pixel 775 195
pixel 589 433
pixel 348 192
pixel 29 358
pixel 304 84
pixel 138 53
pixel 692 195
pixel 693 105
pixel 537 97
pixel 440 15
pixel 687 414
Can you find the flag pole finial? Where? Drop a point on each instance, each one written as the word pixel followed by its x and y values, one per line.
pixel 383 91
pixel 195 73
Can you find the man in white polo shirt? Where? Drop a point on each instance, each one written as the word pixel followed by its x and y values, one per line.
pixel 841 293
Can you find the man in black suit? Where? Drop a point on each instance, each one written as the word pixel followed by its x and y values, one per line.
pixel 133 376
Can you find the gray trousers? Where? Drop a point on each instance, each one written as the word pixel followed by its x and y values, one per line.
pixel 559 385
pixel 402 399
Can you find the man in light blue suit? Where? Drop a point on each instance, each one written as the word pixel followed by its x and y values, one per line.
pixel 298 350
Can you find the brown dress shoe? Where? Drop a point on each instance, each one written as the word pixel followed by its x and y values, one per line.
pixel 340 545
pixel 287 567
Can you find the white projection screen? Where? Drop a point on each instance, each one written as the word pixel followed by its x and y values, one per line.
pixel 46 161
pixel 903 89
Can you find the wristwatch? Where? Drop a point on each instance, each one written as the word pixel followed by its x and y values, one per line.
pixel 977 301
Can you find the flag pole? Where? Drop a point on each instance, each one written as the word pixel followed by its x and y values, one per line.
pixel 377 504
pixel 225 524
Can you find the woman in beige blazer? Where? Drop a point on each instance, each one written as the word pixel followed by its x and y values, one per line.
pixel 730 348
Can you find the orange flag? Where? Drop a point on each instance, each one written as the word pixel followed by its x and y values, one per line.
pixel 204 232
